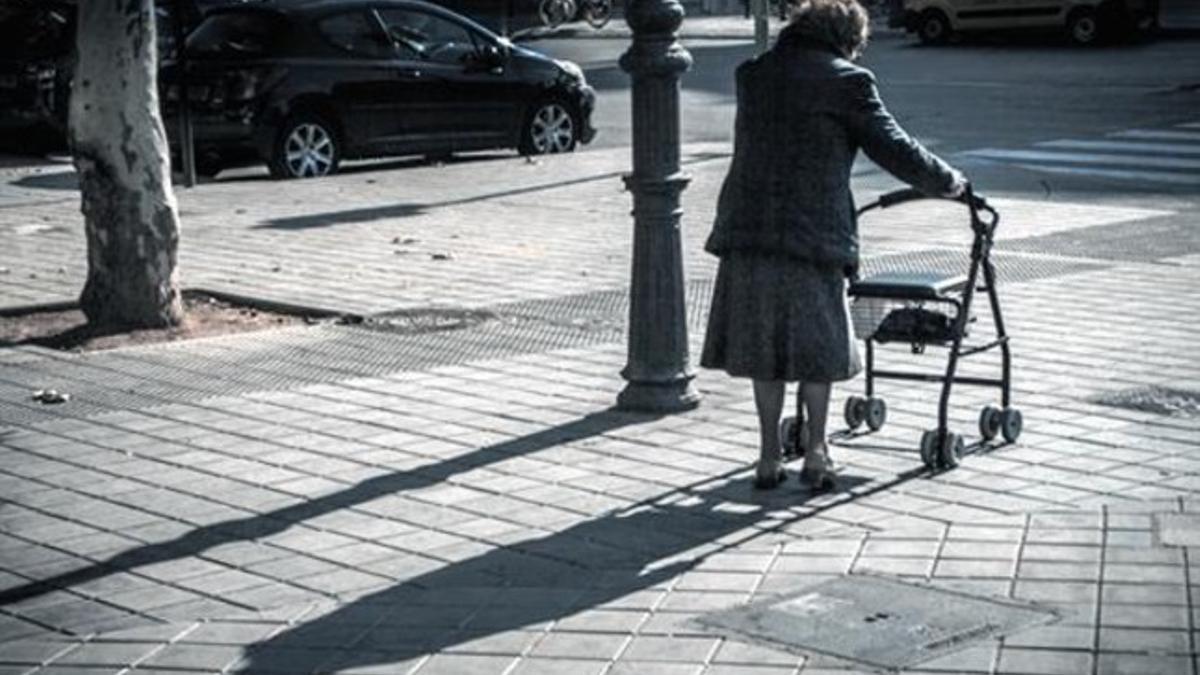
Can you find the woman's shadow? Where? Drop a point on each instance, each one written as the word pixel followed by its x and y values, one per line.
pixel 538 580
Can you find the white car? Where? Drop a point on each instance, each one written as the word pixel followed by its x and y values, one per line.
pixel 1084 21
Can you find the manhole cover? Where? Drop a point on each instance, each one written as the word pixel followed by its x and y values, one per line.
pixel 876 621
pixel 1177 529
pixel 1158 400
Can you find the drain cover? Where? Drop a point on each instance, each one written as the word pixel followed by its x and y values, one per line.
pixel 1177 529
pixel 876 621
pixel 1158 400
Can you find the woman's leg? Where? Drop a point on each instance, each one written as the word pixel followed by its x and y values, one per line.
pixel 816 456
pixel 816 397
pixel 768 399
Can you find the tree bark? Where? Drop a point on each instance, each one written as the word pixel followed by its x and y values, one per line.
pixel 122 158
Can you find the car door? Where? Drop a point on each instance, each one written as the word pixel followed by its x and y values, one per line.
pixel 362 81
pixel 983 14
pixel 1043 12
pixel 468 98
pixel 1006 14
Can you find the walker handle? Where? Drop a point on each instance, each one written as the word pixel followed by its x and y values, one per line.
pixel 903 195
pixel 900 196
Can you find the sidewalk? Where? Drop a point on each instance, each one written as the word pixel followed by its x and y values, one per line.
pixel 717 27
pixel 1176 16
pixel 347 499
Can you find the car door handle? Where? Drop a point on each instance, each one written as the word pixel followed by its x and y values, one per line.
pixel 407 73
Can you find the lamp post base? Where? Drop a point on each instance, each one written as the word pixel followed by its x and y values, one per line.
pixel 659 397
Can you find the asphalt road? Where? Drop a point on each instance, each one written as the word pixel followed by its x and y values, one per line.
pixel 989 104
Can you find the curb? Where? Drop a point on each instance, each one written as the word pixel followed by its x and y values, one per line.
pixel 573 32
pixel 276 306
pixel 223 296
pixel 38 307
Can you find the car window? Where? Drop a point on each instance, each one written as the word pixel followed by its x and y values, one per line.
pixel 429 36
pixel 236 35
pixel 356 33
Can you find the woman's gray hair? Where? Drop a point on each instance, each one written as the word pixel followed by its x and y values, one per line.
pixel 841 24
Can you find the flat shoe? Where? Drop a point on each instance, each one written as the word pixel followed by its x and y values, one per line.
pixel 762 482
pixel 818 481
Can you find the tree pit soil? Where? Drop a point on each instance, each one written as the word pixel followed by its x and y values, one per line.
pixel 205 316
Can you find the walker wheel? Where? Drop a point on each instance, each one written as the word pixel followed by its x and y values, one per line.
pixel 952 451
pixel 876 413
pixel 1011 423
pixel 855 412
pixel 792 438
pixel 989 422
pixel 929 454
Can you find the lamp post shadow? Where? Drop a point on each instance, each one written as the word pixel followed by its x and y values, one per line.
pixel 260 526
pixel 542 579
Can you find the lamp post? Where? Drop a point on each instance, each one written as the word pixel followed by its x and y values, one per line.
pixel 762 27
pixel 658 371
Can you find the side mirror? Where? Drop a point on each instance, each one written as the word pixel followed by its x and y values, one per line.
pixel 492 56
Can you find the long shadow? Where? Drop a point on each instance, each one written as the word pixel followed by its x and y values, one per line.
pixel 399 210
pixel 263 525
pixel 544 579
pixel 57 180
pixel 330 218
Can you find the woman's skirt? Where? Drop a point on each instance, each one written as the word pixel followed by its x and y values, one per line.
pixel 777 318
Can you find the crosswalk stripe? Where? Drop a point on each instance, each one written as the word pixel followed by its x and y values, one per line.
pixel 1124 146
pixel 1155 176
pixel 1085 158
pixel 1155 134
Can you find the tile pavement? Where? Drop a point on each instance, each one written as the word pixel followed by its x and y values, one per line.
pixel 496 516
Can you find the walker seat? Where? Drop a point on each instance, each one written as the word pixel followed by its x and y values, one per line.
pixel 908 286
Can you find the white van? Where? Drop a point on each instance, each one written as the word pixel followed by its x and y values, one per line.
pixel 1085 22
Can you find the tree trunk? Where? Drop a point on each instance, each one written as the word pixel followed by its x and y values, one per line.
pixel 122 158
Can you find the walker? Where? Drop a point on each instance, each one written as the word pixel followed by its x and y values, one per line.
pixel 910 308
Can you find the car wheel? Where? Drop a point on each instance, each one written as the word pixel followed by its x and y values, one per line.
pixel 307 147
pixel 550 127
pixel 933 28
pixel 1083 27
pixel 209 164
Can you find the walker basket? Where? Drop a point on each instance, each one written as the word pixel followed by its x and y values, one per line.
pixel 916 325
pixel 884 320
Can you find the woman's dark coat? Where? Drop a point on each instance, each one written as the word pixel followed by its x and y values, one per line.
pixel 803 113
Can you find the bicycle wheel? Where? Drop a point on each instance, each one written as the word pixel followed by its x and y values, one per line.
pixel 555 13
pixel 598 13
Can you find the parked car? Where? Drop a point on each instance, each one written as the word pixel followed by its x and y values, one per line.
pixel 305 84
pixel 36 48
pixel 37 58
pixel 1085 22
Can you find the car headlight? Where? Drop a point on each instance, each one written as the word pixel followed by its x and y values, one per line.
pixel 572 70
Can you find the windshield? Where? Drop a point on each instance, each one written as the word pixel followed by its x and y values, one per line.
pixel 236 35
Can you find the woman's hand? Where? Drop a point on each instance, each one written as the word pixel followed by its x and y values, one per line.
pixel 958 188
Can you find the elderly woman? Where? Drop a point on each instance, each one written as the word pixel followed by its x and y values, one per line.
pixel 785 229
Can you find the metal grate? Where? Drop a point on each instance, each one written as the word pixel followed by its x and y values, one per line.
pixel 1010 267
pixel 390 342
pixel 1153 399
